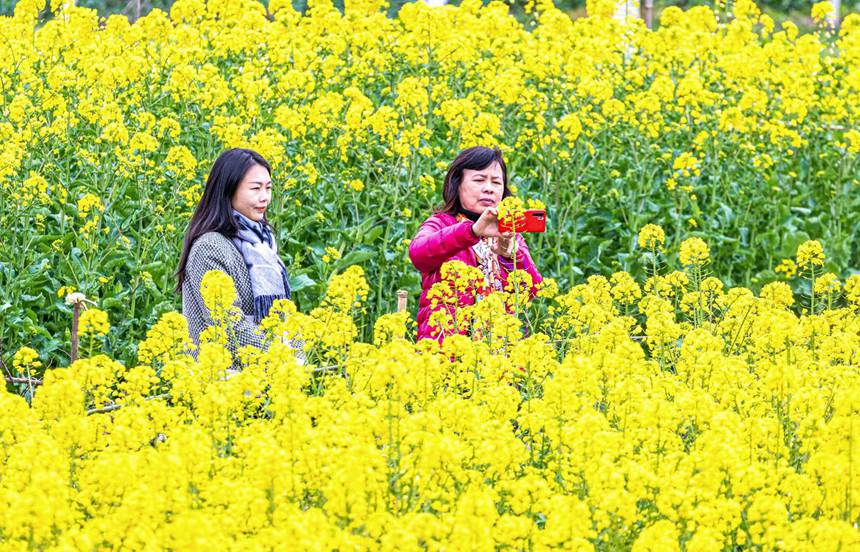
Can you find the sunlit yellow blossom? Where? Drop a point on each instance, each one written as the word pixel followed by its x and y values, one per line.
pixel 181 161
pixel 63 291
pixel 661 536
pixel 93 322
pixel 548 288
pixel 89 203
pixel 686 164
pixel 826 284
pixel 787 267
pixel 652 237
pixel 511 209
pixel 852 289
pixel 347 290
pixel 25 359
pixel 820 10
pixel 390 326
pixel 600 8
pixel 533 203
pixel 625 290
pixel 778 293
pixel 331 254
pixel 167 339
pixel 810 254
pixel 34 188
pixel 219 295
pixel 694 252
pixel 853 137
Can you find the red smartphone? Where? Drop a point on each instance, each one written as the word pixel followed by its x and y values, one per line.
pixel 533 220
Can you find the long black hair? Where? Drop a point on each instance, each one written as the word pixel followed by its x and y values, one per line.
pixel 476 158
pixel 214 212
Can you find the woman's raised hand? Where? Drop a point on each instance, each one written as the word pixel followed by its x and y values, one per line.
pixel 504 245
pixel 487 225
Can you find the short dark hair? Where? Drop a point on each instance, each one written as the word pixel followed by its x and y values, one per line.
pixel 475 158
pixel 214 213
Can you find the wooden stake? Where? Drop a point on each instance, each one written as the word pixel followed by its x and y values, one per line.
pixel 75 316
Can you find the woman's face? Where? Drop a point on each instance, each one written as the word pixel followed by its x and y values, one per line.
pixel 254 193
pixel 482 188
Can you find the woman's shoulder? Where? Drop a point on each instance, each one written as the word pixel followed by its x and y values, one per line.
pixel 212 243
pixel 210 239
pixel 440 218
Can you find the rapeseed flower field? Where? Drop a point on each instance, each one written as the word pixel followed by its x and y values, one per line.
pixel 684 378
pixel 673 414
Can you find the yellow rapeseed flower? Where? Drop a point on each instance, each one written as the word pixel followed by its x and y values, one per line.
pixel 511 209
pixel 93 322
pixel 694 252
pixel 652 237
pixel 827 284
pixel 347 290
pixel 786 267
pixel 852 289
pixel 810 254
pixel 25 359
pixel 219 295
pixel 820 10
pixel 89 203
pixel 778 294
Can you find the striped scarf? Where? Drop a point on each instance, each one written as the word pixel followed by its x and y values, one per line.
pixel 267 272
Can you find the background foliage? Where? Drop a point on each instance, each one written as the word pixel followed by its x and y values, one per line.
pixel 797 10
pixel 728 129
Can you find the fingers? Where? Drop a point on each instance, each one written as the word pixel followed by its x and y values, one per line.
pixel 507 235
pixel 487 224
pixel 503 247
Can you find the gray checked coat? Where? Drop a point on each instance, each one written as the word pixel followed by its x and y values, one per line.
pixel 214 251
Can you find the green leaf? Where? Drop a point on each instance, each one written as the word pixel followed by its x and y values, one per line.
pixel 354 257
pixel 299 282
pixel 409 281
pixel 372 235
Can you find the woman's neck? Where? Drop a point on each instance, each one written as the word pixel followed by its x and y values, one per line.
pixel 471 215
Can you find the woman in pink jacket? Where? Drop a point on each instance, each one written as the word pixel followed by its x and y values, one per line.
pixel 466 228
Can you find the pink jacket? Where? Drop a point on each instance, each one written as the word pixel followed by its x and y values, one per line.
pixel 440 239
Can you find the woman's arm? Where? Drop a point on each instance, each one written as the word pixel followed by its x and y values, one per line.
pixel 436 242
pixel 200 261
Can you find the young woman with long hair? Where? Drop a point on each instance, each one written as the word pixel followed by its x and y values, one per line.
pixel 229 232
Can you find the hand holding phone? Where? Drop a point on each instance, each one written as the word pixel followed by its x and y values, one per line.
pixel 533 220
